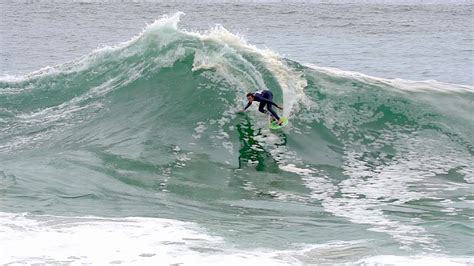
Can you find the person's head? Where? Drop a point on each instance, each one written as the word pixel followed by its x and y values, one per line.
pixel 250 96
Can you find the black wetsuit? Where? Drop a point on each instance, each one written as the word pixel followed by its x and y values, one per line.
pixel 265 98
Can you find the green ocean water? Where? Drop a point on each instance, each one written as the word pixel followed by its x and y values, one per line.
pixel 138 148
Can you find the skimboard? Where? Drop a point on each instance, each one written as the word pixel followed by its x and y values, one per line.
pixel 274 124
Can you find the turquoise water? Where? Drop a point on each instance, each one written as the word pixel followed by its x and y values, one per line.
pixel 135 154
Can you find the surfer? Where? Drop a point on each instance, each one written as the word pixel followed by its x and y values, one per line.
pixel 265 98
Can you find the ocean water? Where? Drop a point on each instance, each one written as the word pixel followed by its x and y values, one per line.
pixel 120 142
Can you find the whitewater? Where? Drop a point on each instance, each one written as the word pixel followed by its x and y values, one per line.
pixel 135 154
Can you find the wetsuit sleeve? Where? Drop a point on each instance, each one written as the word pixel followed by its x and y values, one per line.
pixel 247 106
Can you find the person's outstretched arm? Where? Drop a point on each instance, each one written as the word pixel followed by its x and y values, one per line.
pixel 247 106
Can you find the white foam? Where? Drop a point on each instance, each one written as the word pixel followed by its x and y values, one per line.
pixel 45 239
pixel 102 241
pixel 429 260
pixel 370 189
pixel 294 169
pixel 318 183
pixel 407 85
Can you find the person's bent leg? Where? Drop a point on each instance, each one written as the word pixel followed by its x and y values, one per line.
pixel 274 114
pixel 261 107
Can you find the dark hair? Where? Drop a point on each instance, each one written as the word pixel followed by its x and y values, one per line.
pixel 250 94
